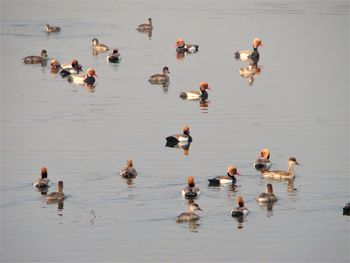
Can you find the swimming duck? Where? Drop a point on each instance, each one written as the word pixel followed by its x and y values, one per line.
pixel 181 47
pixel 190 190
pixel 225 179
pixel 36 59
pixel 176 138
pixel 55 66
pixel 73 68
pixel 240 210
pixel 190 215
pixel 197 94
pixel 96 46
pixel 160 78
pixel 128 171
pixel 253 56
pixel 88 79
pixel 267 197
pixel 50 29
pixel 43 182
pixel 57 196
pixel 282 174
pixel 145 27
pixel 346 209
pixel 114 57
pixel 263 161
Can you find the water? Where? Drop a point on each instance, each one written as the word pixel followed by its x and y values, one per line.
pixel 297 106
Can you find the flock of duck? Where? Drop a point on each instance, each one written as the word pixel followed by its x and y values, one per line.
pixel 263 164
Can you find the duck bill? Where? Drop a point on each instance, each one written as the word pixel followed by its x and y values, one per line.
pixel 237 173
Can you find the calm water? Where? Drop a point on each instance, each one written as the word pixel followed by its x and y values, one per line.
pixel 297 106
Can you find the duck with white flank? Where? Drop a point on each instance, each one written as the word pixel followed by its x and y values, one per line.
pixel 88 79
pixel 56 196
pixel 128 171
pixel 97 47
pixel 73 68
pixel 114 57
pixel 200 94
pixel 160 78
pixel 250 56
pixel 191 190
pixel 50 29
pixel 190 215
pixel 42 183
pixel 263 161
pixel 181 47
pixel 184 137
pixel 267 197
pixel 225 179
pixel 240 210
pixel 36 59
pixel 290 173
pixel 145 27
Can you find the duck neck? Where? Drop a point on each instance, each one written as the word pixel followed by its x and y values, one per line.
pixel 291 169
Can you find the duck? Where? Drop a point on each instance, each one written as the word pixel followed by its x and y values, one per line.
pixel 190 215
pixel 181 47
pixel 73 68
pixel 346 209
pixel 97 47
pixel 201 94
pixel 88 79
pixel 42 182
pixel 128 171
pixel 240 210
pixel 145 27
pixel 55 66
pixel 160 78
pixel 36 59
pixel 263 161
pixel 57 196
pixel 184 137
pixel 267 197
pixel 191 190
pixel 114 57
pixel 252 56
pixel 225 179
pixel 290 173
pixel 50 29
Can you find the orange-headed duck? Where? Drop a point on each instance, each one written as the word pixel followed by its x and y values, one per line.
pixel 267 197
pixel 88 79
pixel 201 94
pixel 225 179
pixel 50 29
pixel 184 137
pixel 97 47
pixel 36 59
pixel 114 57
pixel 128 171
pixel 247 55
pixel 240 210
pixel 57 196
pixel 190 215
pixel 263 161
pixel 145 27
pixel 181 47
pixel 191 190
pixel 42 182
pixel 160 78
pixel 290 173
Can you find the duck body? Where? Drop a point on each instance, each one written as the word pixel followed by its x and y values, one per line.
pixel 42 183
pixel 181 47
pixel 160 78
pixel 145 27
pixel 200 94
pixel 50 29
pixel 185 137
pixel 96 46
pixel 56 196
pixel 36 59
pixel 114 57
pixel 251 56
pixel 73 68
pixel 346 209
pixel 82 80
pixel 290 173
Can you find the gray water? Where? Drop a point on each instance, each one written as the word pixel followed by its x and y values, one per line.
pixel 297 106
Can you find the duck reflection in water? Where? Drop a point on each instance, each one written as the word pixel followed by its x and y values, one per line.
pixel 250 72
pixel 204 105
pixel 185 146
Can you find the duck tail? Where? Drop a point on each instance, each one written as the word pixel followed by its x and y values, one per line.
pixel 237 54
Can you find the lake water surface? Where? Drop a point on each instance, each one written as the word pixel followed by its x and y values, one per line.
pixel 297 106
